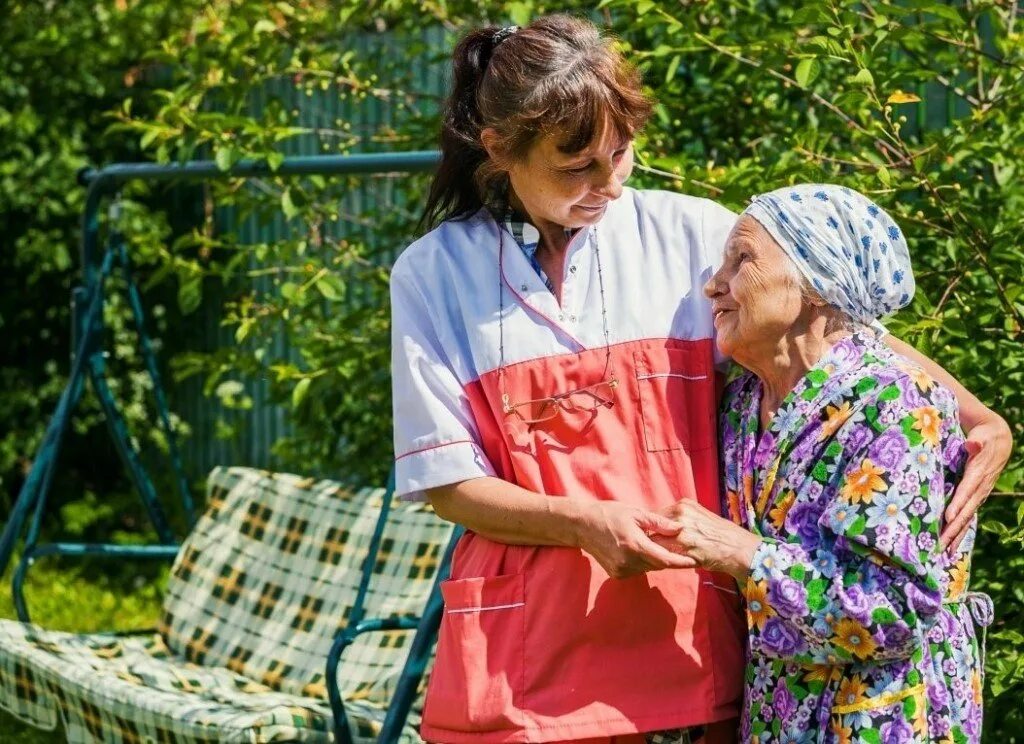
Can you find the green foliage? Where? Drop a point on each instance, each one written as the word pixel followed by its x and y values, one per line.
pixel 65 66
pixel 86 599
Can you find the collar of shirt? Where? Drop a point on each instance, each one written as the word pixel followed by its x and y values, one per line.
pixel 527 237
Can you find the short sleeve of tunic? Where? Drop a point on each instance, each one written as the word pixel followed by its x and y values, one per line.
pixel 436 439
pixel 716 224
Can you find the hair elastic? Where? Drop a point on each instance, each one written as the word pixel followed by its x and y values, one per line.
pixel 501 34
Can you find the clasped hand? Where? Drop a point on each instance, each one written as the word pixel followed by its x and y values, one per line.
pixel 628 540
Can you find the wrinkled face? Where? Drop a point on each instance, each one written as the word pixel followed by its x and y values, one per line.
pixel 755 295
pixel 572 190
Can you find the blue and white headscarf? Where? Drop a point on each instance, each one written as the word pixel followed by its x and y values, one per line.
pixel 850 250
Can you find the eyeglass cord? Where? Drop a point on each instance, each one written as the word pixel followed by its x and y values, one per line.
pixel 501 303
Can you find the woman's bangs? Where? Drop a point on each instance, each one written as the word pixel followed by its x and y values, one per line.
pixel 601 101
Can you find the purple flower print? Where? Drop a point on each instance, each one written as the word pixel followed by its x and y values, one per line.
pixel 788 597
pixel 889 416
pixel 906 548
pixel 938 696
pixel 907 482
pixel 785 703
pixel 896 731
pixel 845 352
pixel 911 396
pixel 924 603
pixel 885 537
pixel 803 519
pixel 765 450
pixel 972 724
pixel 781 638
pixel 951 454
pixel 804 449
pixel 854 602
pixel 893 636
pixel 889 450
pixel 857 437
pixel 938 724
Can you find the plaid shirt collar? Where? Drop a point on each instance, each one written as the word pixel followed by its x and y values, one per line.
pixel 527 236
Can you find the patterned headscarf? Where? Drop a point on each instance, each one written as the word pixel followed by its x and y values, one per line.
pixel 850 250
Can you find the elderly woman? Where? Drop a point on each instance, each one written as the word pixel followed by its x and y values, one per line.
pixel 839 457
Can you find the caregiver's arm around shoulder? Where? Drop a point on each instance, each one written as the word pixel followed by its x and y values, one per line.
pixel 617 535
pixel 989 442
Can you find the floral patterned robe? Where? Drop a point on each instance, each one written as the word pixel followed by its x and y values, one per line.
pixel 860 626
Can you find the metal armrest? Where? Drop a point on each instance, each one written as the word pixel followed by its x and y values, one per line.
pixel 96 550
pixel 416 663
pixel 343 639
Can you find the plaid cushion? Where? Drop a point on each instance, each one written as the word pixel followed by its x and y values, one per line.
pixel 131 690
pixel 271 571
pixel 255 597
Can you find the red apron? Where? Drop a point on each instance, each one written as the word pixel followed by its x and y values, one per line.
pixel 538 644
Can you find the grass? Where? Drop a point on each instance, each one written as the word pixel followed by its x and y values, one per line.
pixel 81 598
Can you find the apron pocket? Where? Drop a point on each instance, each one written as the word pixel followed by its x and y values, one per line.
pixel 477 681
pixel 676 393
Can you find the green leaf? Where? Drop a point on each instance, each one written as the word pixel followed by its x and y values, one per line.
pixel 300 390
pixel 190 294
pixel 863 77
pixel 890 392
pixel 672 67
pixel 807 71
pixel 226 157
pixel 288 205
pixel 243 330
pixel 331 287
pixel 274 160
pixel 229 389
pixel 883 616
pixel 857 528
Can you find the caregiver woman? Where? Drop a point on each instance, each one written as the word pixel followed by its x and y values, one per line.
pixel 554 388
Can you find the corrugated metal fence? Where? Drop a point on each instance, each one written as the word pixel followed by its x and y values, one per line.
pixel 259 427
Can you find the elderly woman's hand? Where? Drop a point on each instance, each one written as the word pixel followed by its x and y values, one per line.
pixel 711 541
pixel 988 446
pixel 625 539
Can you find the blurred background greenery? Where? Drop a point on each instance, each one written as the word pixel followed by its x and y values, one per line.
pixel 268 297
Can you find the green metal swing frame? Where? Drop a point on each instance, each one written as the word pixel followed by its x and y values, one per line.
pixel 88 361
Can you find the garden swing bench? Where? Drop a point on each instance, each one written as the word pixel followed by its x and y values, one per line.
pixel 289 602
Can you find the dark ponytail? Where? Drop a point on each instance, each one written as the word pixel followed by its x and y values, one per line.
pixel 453 192
pixel 556 75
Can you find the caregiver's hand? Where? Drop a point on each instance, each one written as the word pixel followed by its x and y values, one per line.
pixel 711 541
pixel 624 539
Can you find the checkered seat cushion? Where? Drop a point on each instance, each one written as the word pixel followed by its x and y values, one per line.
pixel 255 598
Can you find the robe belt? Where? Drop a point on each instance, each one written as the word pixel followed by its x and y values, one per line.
pixel 982 612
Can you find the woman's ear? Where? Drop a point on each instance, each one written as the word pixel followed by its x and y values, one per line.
pixel 491 142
